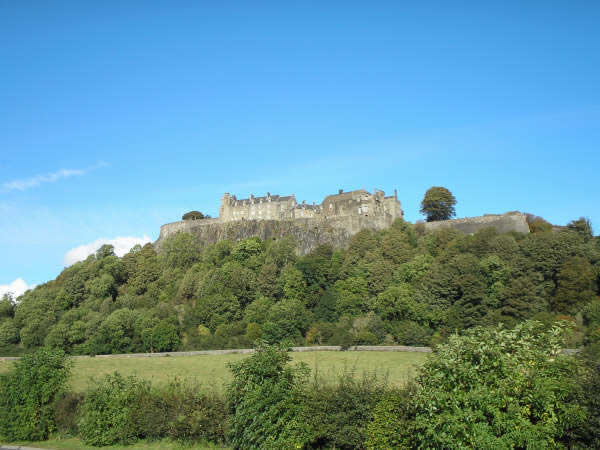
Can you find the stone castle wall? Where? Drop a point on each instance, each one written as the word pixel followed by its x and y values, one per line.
pixel 333 222
pixel 513 221
pixel 309 233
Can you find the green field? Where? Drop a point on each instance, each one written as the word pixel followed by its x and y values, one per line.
pixel 211 370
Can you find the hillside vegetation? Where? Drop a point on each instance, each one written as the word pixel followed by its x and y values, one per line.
pixel 399 285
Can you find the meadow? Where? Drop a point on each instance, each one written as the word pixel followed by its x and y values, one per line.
pixel 212 370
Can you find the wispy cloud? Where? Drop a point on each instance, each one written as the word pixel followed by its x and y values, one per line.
pixel 35 181
pixel 121 244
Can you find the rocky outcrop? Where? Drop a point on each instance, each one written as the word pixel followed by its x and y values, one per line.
pixel 308 234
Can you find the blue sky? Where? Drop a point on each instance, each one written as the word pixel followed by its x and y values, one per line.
pixel 117 117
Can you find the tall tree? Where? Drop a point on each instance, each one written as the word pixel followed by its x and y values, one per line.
pixel 583 226
pixel 438 204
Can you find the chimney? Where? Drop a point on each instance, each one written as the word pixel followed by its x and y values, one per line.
pixel 396 194
pixel 340 191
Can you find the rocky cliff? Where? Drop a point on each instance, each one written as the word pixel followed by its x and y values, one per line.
pixel 310 233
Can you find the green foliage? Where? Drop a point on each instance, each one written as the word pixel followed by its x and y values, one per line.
pixel 575 285
pixel 9 333
pixel 419 286
pixel 244 250
pixel 335 415
pixel 438 204
pixel 194 215
pixel 117 332
pixel 28 393
pixel 496 388
pixel 286 320
pixel 390 415
pixel 264 400
pixel 180 250
pixel 538 224
pixel 7 306
pixel 114 411
pixel 186 412
pixel 583 227
pixel 164 337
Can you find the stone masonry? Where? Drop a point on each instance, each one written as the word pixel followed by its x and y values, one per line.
pixel 333 221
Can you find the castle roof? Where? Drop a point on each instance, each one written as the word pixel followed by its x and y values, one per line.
pixel 274 198
pixel 345 195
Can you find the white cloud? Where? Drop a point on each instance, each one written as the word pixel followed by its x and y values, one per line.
pixel 16 288
pixel 28 183
pixel 121 244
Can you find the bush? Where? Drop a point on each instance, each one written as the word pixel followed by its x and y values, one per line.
pixel 335 415
pixel 28 393
pixel 123 410
pixel 184 411
pixel 66 412
pixel 390 415
pixel 496 388
pixel 265 400
pixel 115 411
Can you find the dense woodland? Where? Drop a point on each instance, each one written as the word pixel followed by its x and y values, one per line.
pixel 399 285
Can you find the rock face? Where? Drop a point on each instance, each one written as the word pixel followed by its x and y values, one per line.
pixel 513 221
pixel 308 233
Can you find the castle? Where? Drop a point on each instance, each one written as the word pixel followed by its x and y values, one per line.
pixel 333 221
pixel 343 204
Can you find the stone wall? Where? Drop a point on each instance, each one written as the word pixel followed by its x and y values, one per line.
pixel 513 221
pixel 308 233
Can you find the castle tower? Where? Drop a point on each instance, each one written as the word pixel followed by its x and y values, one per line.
pixel 225 208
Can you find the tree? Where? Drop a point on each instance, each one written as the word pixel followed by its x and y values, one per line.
pixel 194 215
pixel 438 204
pixel 537 224
pixel 583 226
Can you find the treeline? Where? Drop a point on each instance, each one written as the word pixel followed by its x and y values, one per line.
pixel 400 285
pixel 488 388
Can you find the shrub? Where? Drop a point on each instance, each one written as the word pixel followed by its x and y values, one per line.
pixel 335 415
pixel 265 400
pixel 115 410
pixel 66 410
pixel 28 393
pixel 588 436
pixel 496 388
pixel 390 415
pixel 184 411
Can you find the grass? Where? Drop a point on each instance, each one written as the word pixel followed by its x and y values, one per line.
pixel 212 370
